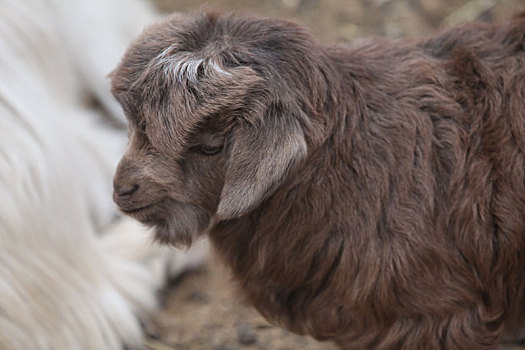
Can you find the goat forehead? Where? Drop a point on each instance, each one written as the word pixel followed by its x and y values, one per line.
pixel 185 65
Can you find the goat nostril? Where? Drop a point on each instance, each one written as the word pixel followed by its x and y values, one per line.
pixel 123 191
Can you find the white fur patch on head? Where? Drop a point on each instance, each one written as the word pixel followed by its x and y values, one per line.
pixel 185 65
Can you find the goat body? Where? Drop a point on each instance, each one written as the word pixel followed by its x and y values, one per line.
pixel 372 193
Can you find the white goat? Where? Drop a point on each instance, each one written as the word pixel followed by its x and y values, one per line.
pixel 69 279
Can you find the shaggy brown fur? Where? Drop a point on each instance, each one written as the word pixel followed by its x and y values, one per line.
pixel 372 194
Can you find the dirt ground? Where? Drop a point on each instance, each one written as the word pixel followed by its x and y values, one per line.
pixel 202 310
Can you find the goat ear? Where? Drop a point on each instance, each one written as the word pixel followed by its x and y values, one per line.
pixel 261 156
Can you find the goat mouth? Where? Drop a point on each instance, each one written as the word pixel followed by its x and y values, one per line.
pixel 130 211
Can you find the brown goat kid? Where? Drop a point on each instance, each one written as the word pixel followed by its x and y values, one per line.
pixel 372 194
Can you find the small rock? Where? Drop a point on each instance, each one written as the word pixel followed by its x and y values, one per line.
pixel 293 4
pixel 246 335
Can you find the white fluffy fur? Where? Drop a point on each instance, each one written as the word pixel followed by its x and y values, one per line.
pixel 69 279
pixel 184 65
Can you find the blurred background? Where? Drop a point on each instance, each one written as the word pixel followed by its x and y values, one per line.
pixel 202 309
pixel 333 20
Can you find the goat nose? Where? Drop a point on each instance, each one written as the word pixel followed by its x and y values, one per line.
pixel 120 191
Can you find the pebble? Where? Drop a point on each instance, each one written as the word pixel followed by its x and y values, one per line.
pixel 246 335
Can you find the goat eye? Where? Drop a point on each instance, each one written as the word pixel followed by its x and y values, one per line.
pixel 207 150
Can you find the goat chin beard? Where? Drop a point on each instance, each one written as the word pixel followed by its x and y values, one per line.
pixel 186 224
